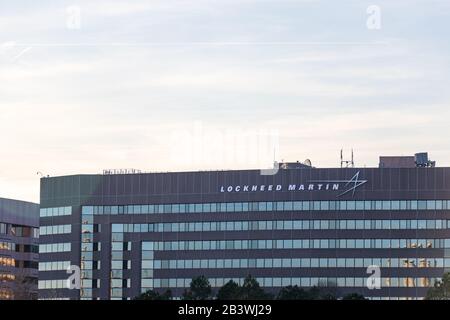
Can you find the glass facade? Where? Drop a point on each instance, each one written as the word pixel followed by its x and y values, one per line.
pixel 86 265
pixel 347 224
pixel 55 212
pixel 373 205
pixel 19 236
pixel 132 233
pixel 301 263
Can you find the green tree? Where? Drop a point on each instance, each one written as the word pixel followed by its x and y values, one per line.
pixel 353 296
pixel 230 291
pixel 200 289
pixel 251 290
pixel 321 293
pixel 314 293
pixel 441 289
pixel 293 293
pixel 153 295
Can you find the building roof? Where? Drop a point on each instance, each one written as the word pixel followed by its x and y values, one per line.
pixel 19 212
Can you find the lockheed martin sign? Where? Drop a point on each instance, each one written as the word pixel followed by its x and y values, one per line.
pixel 345 186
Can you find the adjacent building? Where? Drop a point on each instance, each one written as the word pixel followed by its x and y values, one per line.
pixel 297 225
pixel 19 232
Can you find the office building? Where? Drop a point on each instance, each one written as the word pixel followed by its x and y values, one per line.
pixel 19 223
pixel 305 226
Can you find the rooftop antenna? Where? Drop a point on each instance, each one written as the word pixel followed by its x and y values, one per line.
pixel 347 163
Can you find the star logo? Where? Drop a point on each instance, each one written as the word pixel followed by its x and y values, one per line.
pixel 350 185
pixel 353 183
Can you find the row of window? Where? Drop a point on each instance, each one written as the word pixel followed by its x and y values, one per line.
pixel 283 225
pixel 91 247
pixel 88 265
pixel 27 248
pixel 6 276
pixel 88 284
pixel 3 228
pixel 90 228
pixel 11 262
pixel 340 282
pixel 55 247
pixel 89 274
pixel 271 206
pixel 121 246
pixel 87 249
pixel 298 263
pixel 269 282
pixel 55 229
pixel 19 230
pixel 7 246
pixel 54 265
pixel 26 264
pixel 24 231
pixel 7 262
pixel 120 283
pixel 302 244
pixel 121 264
pixel 55 212
pixel 53 284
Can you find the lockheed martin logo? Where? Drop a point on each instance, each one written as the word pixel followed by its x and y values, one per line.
pixel 350 185
pixel 340 186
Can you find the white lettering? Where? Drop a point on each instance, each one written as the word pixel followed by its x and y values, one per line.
pixel 374 280
pixel 374 19
pixel 203 311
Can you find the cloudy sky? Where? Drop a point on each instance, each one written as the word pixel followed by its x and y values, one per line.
pixel 204 84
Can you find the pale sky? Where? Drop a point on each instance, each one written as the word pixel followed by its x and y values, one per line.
pixel 205 84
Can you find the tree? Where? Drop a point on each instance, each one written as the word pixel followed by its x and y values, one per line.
pixel 314 293
pixel 154 295
pixel 200 289
pixel 441 289
pixel 230 291
pixel 293 293
pixel 353 296
pixel 252 291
